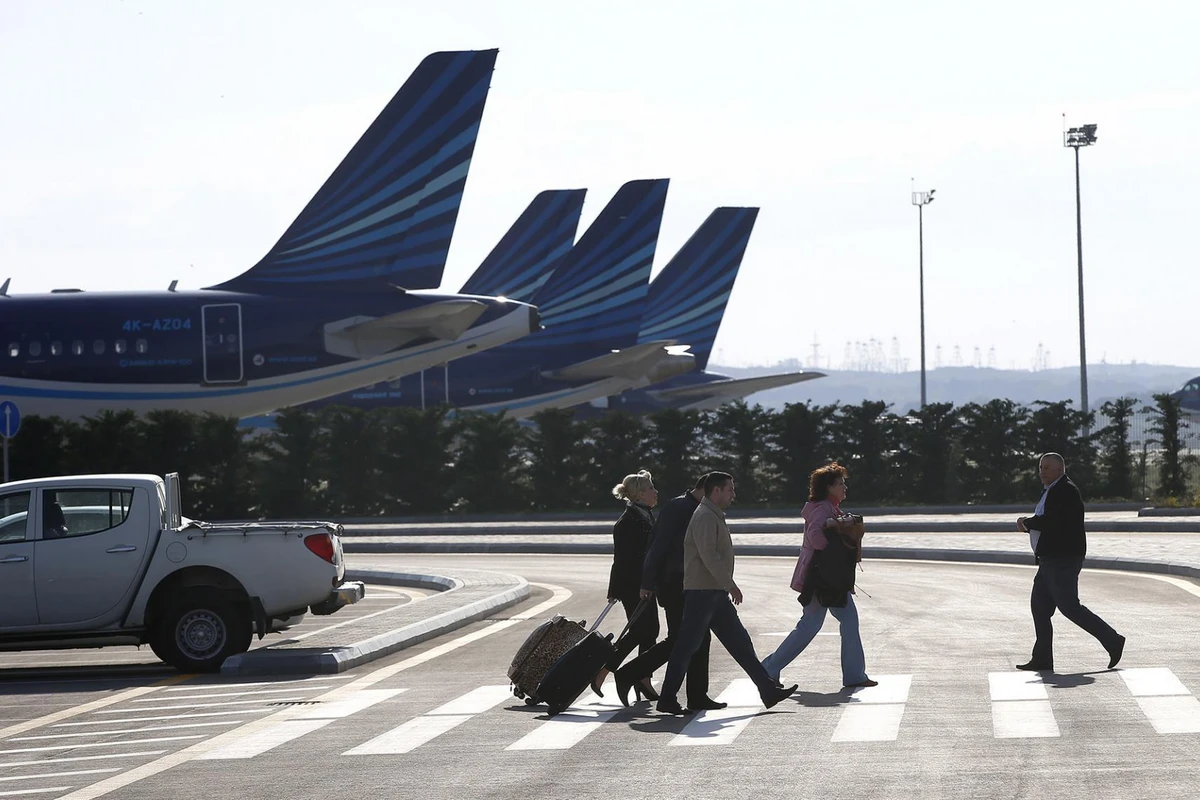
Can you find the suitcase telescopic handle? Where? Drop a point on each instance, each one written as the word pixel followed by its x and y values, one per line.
pixel 603 614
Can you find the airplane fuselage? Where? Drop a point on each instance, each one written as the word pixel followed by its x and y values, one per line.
pixel 74 354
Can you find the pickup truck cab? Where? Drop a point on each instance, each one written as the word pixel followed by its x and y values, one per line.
pixel 95 560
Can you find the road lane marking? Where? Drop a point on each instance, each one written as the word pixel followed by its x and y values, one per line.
pixel 84 708
pixel 564 731
pixel 52 761
pixel 1156 682
pixel 78 746
pixel 41 775
pixel 1020 706
pixel 251 684
pixel 221 694
pixel 1163 698
pixel 158 719
pixel 46 790
pixel 344 707
pixel 875 712
pixel 222 704
pixel 123 730
pixel 297 725
pixel 261 741
pixel 416 732
pixel 101 788
pixel 722 726
pixel 1016 686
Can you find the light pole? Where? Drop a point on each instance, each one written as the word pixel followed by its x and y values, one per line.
pixel 1083 136
pixel 920 200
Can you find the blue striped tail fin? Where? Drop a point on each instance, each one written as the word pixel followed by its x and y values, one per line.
pixel 527 255
pixel 387 213
pixel 598 292
pixel 688 298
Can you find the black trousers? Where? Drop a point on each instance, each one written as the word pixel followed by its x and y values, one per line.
pixel 641 634
pixel 1056 587
pixel 670 597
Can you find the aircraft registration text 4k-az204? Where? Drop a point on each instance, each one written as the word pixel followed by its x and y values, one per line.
pixel 343 300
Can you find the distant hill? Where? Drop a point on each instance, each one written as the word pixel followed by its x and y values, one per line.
pixel 961 385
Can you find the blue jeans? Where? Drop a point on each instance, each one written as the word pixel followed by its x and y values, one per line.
pixel 854 663
pixel 704 610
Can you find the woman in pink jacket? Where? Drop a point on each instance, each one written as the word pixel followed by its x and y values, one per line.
pixel 826 491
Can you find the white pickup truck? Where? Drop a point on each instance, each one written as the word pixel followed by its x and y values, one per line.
pixel 95 560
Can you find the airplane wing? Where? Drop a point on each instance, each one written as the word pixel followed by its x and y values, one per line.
pixel 707 396
pixel 630 362
pixel 364 337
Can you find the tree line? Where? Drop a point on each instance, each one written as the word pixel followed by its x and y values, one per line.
pixel 344 462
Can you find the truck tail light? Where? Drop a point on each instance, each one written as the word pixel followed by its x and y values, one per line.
pixel 321 545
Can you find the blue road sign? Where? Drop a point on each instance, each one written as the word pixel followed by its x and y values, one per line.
pixel 10 419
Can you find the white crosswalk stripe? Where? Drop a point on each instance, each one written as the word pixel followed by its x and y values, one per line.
pixel 1163 698
pixel 723 725
pixel 874 712
pixel 572 726
pixel 416 732
pixel 1020 706
pixel 294 727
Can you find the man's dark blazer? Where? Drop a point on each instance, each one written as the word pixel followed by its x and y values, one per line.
pixel 664 562
pixel 1061 522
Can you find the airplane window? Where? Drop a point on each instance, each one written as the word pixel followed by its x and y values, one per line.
pixel 77 347
pixel 119 346
pixel 56 348
pixel 98 347
pixel 35 349
pixel 141 345
pixel 14 350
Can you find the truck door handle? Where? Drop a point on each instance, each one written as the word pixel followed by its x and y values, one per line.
pixel 122 548
pixel 13 559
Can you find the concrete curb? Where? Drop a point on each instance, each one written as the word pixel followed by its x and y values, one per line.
pixel 328 661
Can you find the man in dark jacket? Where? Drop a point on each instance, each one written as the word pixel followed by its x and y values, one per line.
pixel 662 575
pixel 1059 543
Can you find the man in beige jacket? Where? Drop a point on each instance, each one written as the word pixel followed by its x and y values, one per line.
pixel 707 588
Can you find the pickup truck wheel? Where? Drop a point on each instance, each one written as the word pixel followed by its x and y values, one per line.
pixel 200 629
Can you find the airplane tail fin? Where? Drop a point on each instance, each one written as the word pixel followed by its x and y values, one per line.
pixel 598 292
pixel 526 256
pixel 687 299
pixel 387 212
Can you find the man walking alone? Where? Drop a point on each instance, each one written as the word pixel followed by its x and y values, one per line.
pixel 707 587
pixel 1057 536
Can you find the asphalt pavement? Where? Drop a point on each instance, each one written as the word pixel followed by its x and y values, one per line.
pixel 951 717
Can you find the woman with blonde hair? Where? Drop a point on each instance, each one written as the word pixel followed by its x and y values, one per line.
pixel 631 540
pixel 826 491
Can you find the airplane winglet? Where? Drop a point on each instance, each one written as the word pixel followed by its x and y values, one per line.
pixel 4 288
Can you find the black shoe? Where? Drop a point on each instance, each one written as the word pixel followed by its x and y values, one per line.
pixel 623 688
pixel 776 696
pixel 1034 666
pixel 645 689
pixel 706 704
pixel 864 683
pixel 1114 655
pixel 669 705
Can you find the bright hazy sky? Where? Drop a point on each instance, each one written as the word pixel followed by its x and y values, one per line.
pixel 142 142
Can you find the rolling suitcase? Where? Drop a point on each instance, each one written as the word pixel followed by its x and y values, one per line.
pixel 544 646
pixel 572 674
